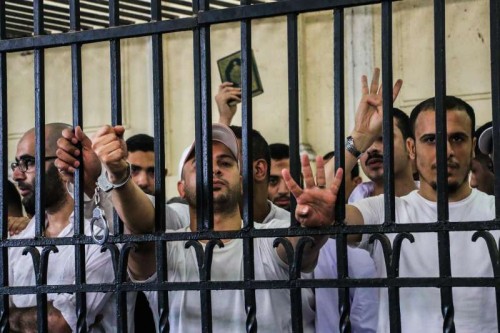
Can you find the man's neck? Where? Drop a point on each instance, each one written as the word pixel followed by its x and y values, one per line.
pixel 429 193
pixel 261 207
pixel 230 220
pixel 58 219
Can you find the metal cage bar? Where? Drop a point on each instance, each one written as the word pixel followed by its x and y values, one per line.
pixel 4 260
pixel 247 169
pixel 339 118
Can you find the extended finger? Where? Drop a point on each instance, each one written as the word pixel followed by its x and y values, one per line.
pixel 291 183
pixel 364 85
pixel 337 181
pixel 375 81
pixel 396 89
pixel 307 172
pixel 320 172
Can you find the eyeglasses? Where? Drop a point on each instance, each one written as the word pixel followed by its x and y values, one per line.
pixel 26 163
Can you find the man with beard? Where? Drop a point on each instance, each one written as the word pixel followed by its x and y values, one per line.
pixel 61 265
pixel 228 307
pixel 474 307
pixel 372 163
pixel 141 156
pixel 277 191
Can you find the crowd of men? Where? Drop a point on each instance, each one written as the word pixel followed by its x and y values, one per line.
pixel 123 173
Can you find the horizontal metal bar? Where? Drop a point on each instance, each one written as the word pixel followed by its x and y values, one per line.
pixel 98 35
pixel 264 233
pixel 275 9
pixel 402 282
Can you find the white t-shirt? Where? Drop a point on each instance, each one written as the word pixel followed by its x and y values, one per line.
pixel 61 271
pixel 475 307
pixel 228 306
pixel 276 213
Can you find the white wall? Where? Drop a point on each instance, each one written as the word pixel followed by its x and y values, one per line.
pixel 468 74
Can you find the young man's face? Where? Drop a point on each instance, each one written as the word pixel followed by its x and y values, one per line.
pixel 460 146
pixel 372 160
pixel 481 177
pixel 226 179
pixel 277 191
pixel 143 169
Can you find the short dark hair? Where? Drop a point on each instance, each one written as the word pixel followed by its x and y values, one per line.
pixel 141 142
pixel 279 151
pixel 450 103
pixel 403 123
pixel 355 170
pixel 260 148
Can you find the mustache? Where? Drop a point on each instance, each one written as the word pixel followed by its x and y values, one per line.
pixel 24 186
pixel 374 155
pixel 450 164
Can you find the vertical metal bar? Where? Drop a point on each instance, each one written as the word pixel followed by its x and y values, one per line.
pixel 116 118
pixel 388 123
pixel 247 153
pixel 388 139
pixel 495 99
pixel 39 151
pixel 116 78
pixel 159 132
pixel 293 105
pixel 4 260
pixel 441 151
pixel 76 69
pixel 204 196
pixel 203 130
pixel 293 118
pixel 339 119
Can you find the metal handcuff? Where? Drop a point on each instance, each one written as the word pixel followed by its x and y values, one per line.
pixel 98 214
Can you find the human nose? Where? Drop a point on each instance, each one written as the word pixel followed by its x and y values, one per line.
pixel 449 149
pixel 17 174
pixel 282 187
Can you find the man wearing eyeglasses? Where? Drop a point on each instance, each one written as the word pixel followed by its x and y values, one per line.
pixel 59 207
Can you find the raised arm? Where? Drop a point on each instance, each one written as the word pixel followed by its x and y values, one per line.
pixel 367 121
pixel 227 98
pixel 131 203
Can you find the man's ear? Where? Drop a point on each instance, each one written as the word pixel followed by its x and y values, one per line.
pixel 180 188
pixel 410 147
pixel 260 168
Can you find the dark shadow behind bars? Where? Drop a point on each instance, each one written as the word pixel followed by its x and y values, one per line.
pixel 35 26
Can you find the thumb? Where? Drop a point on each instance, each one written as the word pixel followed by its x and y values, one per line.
pixel 83 138
pixel 119 130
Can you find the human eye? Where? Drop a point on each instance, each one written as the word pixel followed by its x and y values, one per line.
pixel 273 181
pixel 429 139
pixel 135 169
pixel 28 162
pixel 457 138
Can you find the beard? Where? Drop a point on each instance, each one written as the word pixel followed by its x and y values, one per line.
pixel 222 203
pixel 55 192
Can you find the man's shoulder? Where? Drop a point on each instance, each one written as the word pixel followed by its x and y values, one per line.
pixel 361 191
pixel 276 213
